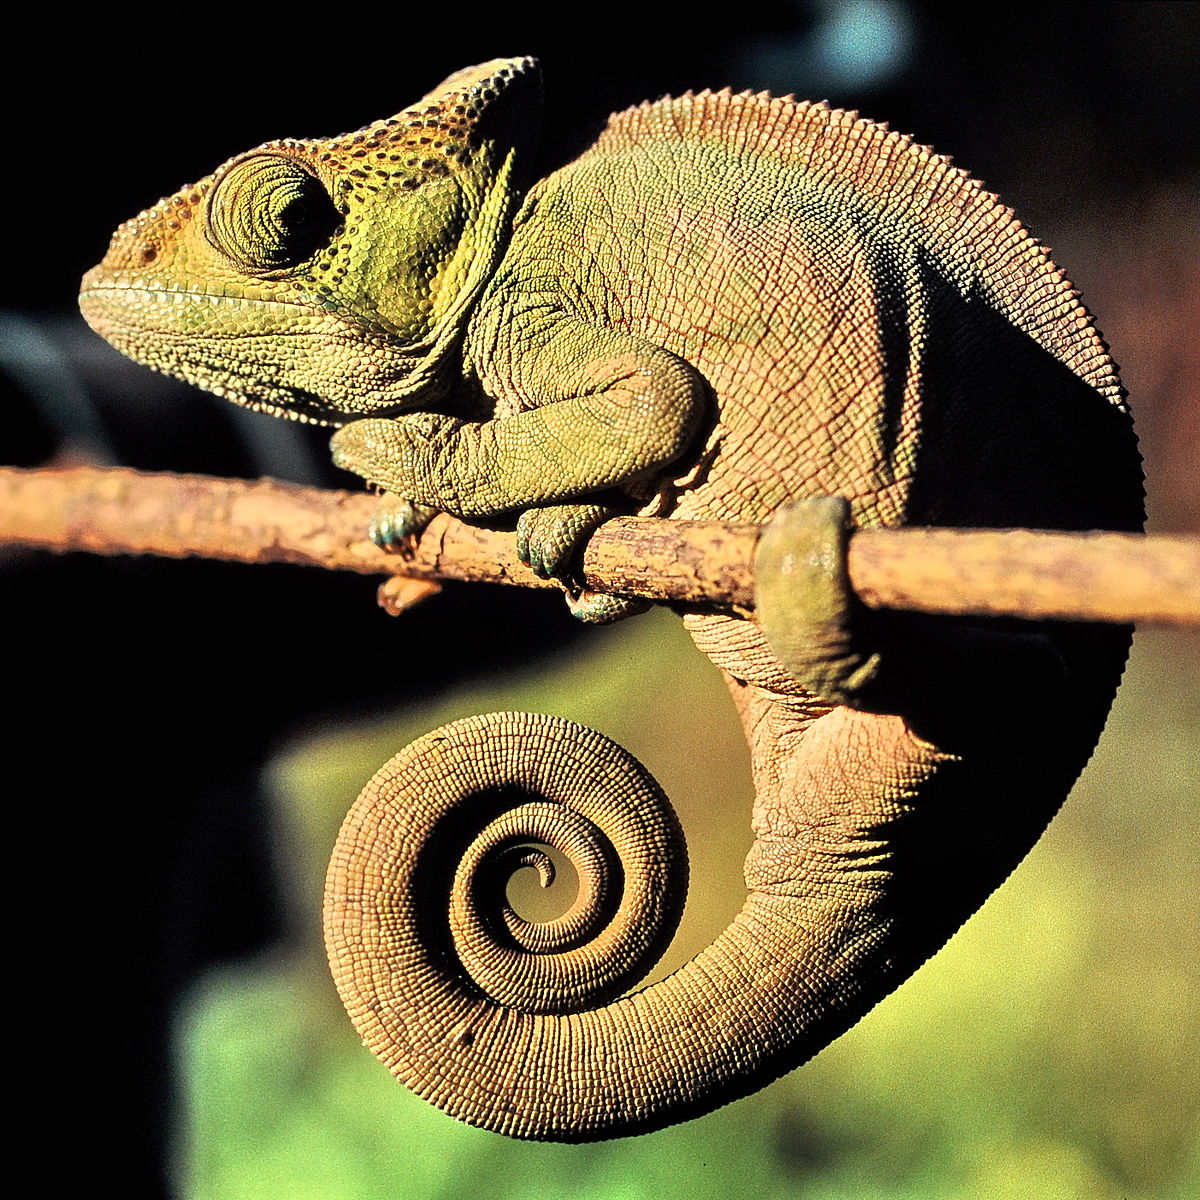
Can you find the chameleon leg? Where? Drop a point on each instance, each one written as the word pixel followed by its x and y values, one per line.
pixel 640 415
pixel 532 461
pixel 548 537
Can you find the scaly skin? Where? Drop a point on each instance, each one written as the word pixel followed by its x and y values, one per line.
pixel 726 304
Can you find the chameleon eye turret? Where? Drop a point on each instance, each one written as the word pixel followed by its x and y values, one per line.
pixel 268 212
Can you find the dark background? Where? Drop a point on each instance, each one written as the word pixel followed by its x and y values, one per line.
pixel 144 695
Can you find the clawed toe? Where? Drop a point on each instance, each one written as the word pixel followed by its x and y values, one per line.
pixel 397 520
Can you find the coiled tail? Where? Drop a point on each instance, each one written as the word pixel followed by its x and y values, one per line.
pixel 524 1028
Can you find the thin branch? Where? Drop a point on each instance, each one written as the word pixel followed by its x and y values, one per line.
pixel 1097 576
pixel 120 511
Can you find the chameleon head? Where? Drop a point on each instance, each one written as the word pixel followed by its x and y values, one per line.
pixel 326 280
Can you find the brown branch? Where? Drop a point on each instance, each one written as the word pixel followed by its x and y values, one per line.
pixel 1115 577
pixel 1101 576
pixel 129 512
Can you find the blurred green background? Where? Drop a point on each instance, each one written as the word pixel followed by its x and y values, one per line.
pixel 200 728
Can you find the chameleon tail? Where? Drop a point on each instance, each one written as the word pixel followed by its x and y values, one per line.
pixel 523 1028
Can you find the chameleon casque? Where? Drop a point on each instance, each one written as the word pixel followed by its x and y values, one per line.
pixel 726 304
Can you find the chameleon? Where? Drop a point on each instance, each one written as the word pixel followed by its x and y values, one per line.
pixel 727 304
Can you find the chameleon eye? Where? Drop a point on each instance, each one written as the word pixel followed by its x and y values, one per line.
pixel 268 212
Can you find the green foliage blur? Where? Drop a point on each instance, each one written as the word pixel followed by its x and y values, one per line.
pixel 1043 1054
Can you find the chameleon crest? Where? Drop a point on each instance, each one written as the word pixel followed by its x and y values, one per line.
pixel 727 304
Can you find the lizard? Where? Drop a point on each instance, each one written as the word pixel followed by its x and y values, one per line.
pixel 726 304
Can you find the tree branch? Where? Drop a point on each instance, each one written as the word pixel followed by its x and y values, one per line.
pixel 1096 576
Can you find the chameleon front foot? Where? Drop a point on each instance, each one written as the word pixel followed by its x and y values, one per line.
pixel 548 540
pixel 549 537
pixel 396 520
pixel 599 608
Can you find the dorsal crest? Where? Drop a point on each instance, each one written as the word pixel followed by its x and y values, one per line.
pixel 891 181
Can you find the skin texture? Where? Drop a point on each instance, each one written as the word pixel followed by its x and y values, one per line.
pixel 727 303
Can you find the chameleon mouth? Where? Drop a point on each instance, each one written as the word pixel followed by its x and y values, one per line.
pixel 117 305
pixel 201 344
pixel 288 357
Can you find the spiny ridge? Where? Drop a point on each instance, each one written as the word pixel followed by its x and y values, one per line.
pixel 900 184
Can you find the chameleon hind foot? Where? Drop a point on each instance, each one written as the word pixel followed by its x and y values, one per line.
pixel 805 604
